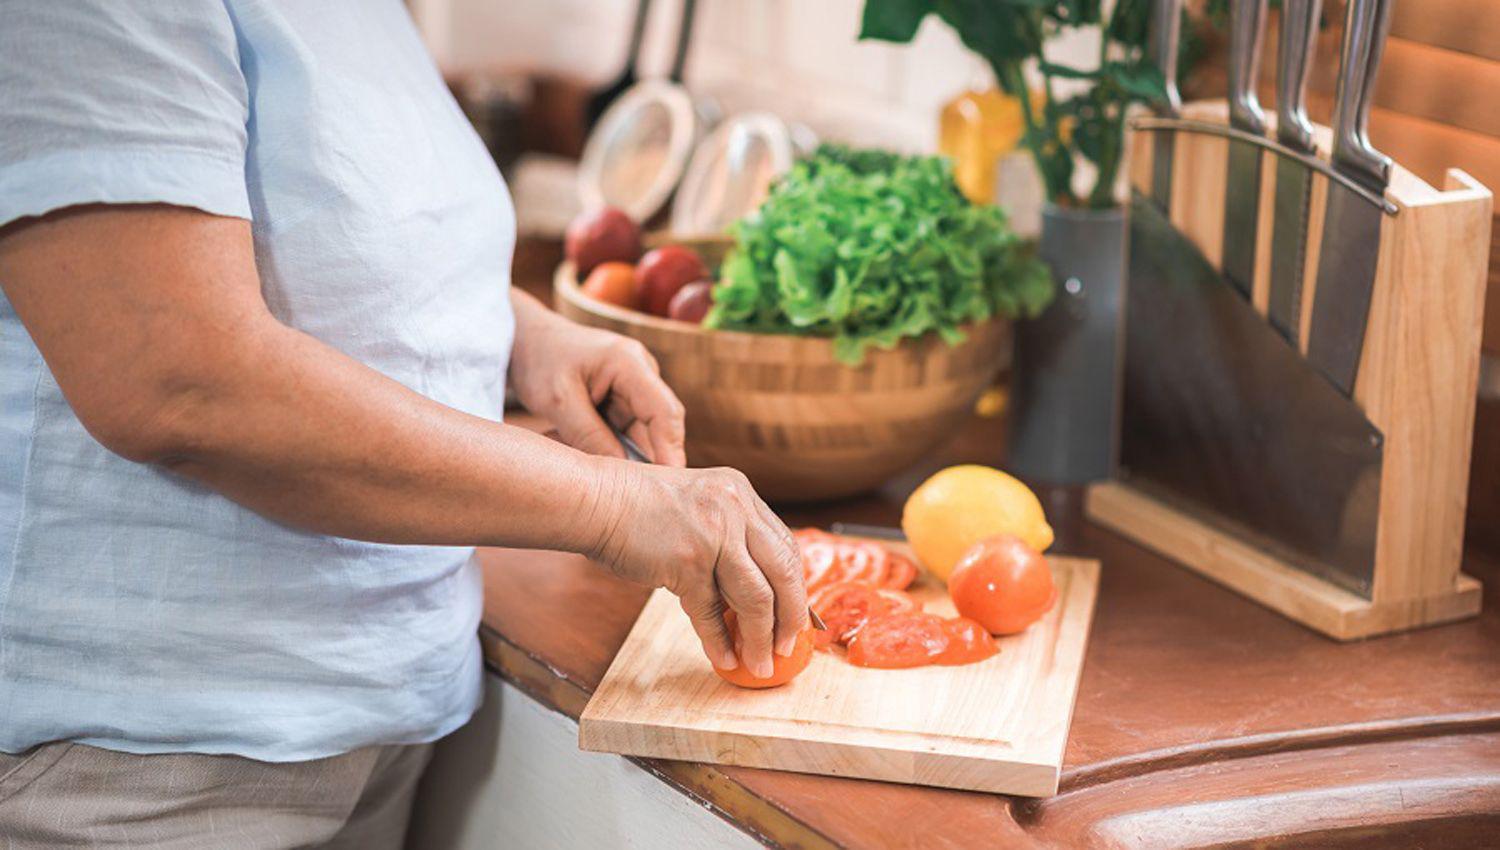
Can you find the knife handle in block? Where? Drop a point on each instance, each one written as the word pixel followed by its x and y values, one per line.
pixel 1365 28
pixel 1166 23
pixel 1299 23
pixel 1247 27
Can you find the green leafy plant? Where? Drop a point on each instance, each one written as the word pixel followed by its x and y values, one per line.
pixel 1008 34
pixel 870 247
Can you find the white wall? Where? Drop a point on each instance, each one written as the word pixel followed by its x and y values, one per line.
pixel 798 58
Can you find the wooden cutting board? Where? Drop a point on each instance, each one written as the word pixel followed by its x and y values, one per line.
pixel 999 725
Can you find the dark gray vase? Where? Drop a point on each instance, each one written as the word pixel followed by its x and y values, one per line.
pixel 1065 385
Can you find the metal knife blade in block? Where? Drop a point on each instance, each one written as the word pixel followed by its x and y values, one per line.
pixel 1351 227
pixel 1247 20
pixel 1299 21
pixel 1166 20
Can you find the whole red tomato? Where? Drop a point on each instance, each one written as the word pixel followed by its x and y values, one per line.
pixel 601 236
pixel 692 302
pixel 662 272
pixel 1002 584
pixel 612 283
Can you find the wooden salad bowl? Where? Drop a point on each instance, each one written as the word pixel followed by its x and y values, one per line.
pixel 800 424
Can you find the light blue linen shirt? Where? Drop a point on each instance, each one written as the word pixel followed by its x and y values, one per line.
pixel 140 611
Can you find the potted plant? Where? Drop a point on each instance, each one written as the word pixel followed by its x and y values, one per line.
pixel 1063 396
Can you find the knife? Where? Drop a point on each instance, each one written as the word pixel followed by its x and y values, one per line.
pixel 1247 19
pixel 633 452
pixel 1299 20
pixel 1351 226
pixel 1166 20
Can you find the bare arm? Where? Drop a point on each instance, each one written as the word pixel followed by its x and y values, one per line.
pixel 152 321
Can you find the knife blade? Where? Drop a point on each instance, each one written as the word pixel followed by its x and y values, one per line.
pixel 1351 228
pixel 1166 20
pixel 1247 20
pixel 633 453
pixel 1299 21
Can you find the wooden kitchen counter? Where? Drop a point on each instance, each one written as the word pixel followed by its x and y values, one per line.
pixel 1202 718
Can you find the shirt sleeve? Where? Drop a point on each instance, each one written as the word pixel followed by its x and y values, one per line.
pixel 103 101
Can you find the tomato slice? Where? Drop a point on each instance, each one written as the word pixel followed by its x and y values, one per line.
pixel 899 640
pixel 819 559
pixel 902 573
pixel 968 642
pixel 807 535
pixel 846 606
pixel 864 562
pixel 827 559
pixel 898 601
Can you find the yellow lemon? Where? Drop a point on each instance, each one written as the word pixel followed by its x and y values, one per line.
pixel 963 505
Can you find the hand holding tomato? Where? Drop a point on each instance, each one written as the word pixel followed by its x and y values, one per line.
pixel 785 668
pixel 708 538
pixel 1002 584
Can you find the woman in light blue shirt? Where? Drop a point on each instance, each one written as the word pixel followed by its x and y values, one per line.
pixel 254 340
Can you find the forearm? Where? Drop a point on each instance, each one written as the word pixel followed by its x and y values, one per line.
pixel 305 435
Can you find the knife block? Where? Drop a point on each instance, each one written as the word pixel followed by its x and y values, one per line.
pixel 1417 383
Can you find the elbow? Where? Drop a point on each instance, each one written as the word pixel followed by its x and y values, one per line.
pixel 161 417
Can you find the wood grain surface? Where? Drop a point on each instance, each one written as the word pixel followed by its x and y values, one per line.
pixel 998 725
pixel 1202 719
pixel 783 410
pixel 1417 383
pixel 1200 716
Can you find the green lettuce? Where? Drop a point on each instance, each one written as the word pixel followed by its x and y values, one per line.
pixel 871 247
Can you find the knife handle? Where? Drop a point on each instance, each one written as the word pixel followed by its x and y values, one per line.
pixel 1166 22
pixel 1365 28
pixel 1299 23
pixel 1247 27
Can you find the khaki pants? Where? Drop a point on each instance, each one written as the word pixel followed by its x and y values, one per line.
pixel 71 795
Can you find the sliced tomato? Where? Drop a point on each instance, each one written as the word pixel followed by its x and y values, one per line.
pixel 899 640
pixel 903 571
pixel 898 601
pixel 847 606
pixel 864 562
pixel 804 535
pixel 827 558
pixel 967 642
pixel 820 563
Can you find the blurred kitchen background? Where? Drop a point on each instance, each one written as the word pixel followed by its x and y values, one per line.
pixel 525 70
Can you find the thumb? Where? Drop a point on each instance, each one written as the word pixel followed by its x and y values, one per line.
pixel 578 423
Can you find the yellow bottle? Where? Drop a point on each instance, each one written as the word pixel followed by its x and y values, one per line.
pixel 975 129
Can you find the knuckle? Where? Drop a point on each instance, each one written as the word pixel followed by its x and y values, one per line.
pixel 631 348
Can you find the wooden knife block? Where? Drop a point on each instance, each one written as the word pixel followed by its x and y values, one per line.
pixel 1417 383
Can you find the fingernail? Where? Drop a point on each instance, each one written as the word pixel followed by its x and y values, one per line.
pixel 763 670
pixel 784 649
pixel 727 660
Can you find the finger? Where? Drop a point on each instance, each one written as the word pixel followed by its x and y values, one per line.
pixel 780 562
pixel 706 609
pixel 639 390
pixel 746 590
pixel 775 523
pixel 579 425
